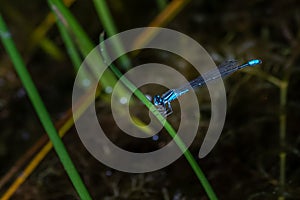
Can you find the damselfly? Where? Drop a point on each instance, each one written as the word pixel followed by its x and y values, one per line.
pixel 163 103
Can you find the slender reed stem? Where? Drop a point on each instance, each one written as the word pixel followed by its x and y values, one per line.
pixel 283 121
pixel 282 137
pixel 200 175
pixel 41 111
pixel 111 29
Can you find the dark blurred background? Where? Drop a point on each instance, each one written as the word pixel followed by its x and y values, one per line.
pixel 244 164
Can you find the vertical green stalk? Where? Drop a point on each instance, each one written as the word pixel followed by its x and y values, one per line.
pixel 70 46
pixel 109 26
pixel 65 16
pixel 41 111
pixel 83 42
pixel 282 137
pixel 282 124
pixel 73 53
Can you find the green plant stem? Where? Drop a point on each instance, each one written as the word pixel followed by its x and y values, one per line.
pixel 200 175
pixel 41 111
pixel 73 53
pixel 282 136
pixel 70 46
pixel 109 26
pixel 85 45
pixel 67 19
pixel 283 122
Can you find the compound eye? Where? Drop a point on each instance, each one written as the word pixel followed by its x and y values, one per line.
pixel 156 100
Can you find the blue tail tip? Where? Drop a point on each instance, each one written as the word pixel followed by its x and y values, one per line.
pixel 254 62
